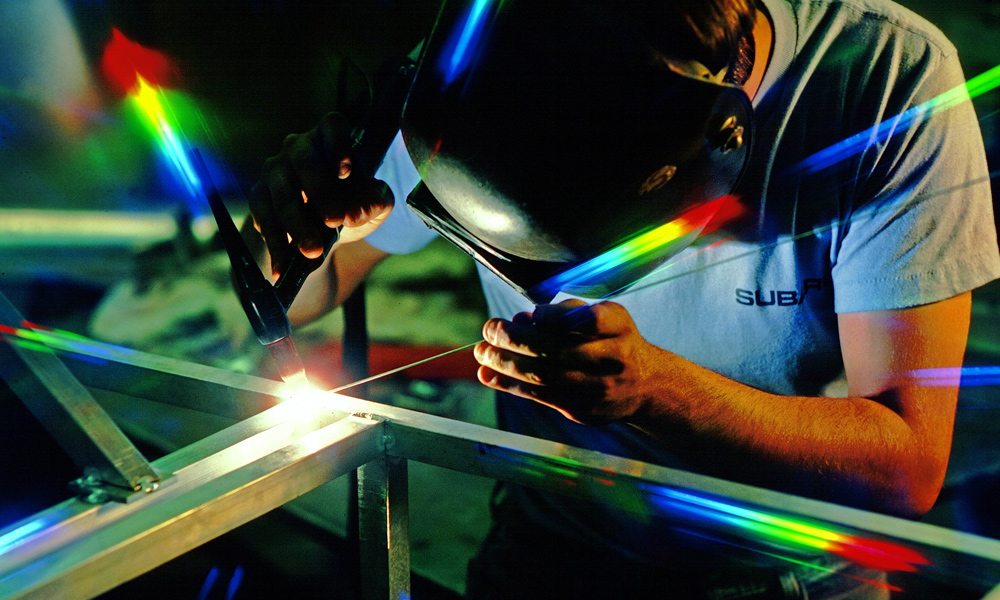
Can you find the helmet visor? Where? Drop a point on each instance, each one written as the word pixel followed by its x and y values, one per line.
pixel 548 135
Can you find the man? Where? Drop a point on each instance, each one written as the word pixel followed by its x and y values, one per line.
pixel 838 255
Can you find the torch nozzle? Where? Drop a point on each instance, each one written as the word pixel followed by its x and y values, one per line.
pixel 286 357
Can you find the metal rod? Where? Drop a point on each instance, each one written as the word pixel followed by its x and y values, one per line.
pixel 383 508
pixel 402 368
pixel 112 467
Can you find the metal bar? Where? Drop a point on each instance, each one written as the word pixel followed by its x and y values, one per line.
pixel 180 383
pixel 67 410
pixel 354 346
pixel 77 551
pixel 993 594
pixel 640 488
pixel 383 510
pixel 28 227
pixel 965 558
pixel 230 448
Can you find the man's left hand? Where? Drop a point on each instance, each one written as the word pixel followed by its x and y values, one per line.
pixel 589 362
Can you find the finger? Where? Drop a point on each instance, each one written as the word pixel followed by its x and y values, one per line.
pixel 539 394
pixel 516 337
pixel 373 199
pixel 611 319
pixel 518 366
pixel 267 222
pixel 308 164
pixel 332 144
pixel 604 319
pixel 568 315
pixel 286 198
pixel 333 134
pixel 522 318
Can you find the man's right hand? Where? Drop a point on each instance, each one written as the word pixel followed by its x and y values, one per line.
pixel 308 189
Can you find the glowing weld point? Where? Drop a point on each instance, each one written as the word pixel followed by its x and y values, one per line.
pixel 299 390
pixel 298 382
pixel 302 401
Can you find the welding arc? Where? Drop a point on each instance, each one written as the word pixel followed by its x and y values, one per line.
pixel 403 368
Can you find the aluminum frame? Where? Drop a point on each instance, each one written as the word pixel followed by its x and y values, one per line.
pixel 76 550
pixel 111 466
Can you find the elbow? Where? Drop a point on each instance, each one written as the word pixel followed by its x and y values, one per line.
pixel 913 504
pixel 914 490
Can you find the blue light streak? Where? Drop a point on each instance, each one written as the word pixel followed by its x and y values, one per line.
pixel 456 63
pixel 175 152
pixel 209 583
pixel 234 582
pixel 950 376
pixel 151 103
pixel 16 536
pixel 876 134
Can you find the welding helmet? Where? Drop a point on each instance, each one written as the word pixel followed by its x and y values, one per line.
pixel 560 150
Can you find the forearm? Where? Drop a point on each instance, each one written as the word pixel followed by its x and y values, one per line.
pixel 884 448
pixel 330 285
pixel 851 450
pixel 318 295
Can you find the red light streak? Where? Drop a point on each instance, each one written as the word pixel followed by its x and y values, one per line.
pixel 124 61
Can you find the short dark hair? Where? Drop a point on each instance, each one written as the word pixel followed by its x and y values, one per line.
pixel 709 31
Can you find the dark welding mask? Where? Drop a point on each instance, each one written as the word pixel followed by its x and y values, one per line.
pixel 560 150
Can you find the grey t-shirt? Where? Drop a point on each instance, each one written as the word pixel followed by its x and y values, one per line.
pixel 863 193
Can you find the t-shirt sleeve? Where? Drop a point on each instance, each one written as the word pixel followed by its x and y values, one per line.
pixel 403 231
pixel 921 229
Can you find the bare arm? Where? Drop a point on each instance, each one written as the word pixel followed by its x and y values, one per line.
pixel 885 447
pixel 327 288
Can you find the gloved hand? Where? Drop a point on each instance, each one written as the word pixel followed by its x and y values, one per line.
pixel 310 188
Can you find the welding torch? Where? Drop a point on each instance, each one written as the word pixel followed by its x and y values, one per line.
pixel 266 305
pixel 260 301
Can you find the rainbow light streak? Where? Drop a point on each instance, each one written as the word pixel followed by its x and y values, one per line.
pixel 952 376
pixel 636 251
pixel 456 62
pixel 858 142
pixel 148 100
pixel 799 562
pixel 15 537
pixel 755 524
pixel 37 337
pixel 534 466
pixel 876 554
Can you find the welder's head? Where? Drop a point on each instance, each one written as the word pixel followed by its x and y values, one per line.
pixel 576 145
